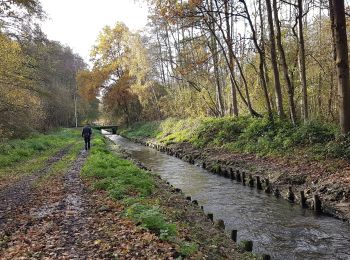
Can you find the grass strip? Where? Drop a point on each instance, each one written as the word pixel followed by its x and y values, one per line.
pixel 125 182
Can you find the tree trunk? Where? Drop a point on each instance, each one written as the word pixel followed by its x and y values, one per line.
pixel 342 65
pixel 230 56
pixel 302 67
pixel 277 83
pixel 261 63
pixel 290 88
pixel 218 89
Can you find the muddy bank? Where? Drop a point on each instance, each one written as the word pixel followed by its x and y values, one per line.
pixel 319 186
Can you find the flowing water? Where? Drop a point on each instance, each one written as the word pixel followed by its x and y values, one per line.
pixel 276 227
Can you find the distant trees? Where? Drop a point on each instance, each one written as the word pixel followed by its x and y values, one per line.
pixel 37 76
pixel 120 73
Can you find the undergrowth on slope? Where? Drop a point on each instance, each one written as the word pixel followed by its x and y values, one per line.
pixel 250 135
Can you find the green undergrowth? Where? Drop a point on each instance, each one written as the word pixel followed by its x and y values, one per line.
pixel 15 162
pixel 249 135
pixel 125 182
pixel 15 151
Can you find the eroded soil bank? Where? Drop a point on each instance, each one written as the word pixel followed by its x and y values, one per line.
pixel 328 180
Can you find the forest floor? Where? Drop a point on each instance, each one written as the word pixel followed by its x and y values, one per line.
pixel 53 213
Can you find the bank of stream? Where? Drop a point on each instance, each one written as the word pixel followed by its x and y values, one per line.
pixel 277 227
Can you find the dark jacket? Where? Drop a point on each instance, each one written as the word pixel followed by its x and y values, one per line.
pixel 87 132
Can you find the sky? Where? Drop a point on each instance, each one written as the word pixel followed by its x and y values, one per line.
pixel 77 23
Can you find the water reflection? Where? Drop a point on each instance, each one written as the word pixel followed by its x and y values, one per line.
pixel 283 230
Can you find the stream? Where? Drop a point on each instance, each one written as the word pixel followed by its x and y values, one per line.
pixel 276 227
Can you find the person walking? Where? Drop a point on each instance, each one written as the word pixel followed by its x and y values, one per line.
pixel 86 134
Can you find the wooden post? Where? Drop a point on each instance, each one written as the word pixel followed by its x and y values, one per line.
pixel 232 174
pixel 204 165
pixel 265 257
pixel 258 183
pixel 247 245
pixel 220 224
pixel 277 193
pixel 317 203
pixel 302 199
pixel 210 216
pixel 238 176
pixel 234 235
pixel 243 178
pixel 251 181
pixel 291 196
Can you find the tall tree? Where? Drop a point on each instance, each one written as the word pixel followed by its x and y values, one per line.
pixel 302 66
pixel 279 101
pixel 342 64
pixel 284 64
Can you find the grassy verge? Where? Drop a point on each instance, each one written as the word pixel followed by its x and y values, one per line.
pixel 249 135
pixel 126 182
pixel 147 201
pixel 20 150
pixel 26 156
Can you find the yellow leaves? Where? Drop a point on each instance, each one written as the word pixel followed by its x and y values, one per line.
pixel 90 82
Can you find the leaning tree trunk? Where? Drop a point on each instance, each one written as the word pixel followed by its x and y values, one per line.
pixel 342 64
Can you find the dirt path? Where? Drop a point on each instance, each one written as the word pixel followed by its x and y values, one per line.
pixel 18 195
pixel 54 222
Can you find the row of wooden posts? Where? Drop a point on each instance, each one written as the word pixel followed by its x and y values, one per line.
pixel 241 177
pixel 246 245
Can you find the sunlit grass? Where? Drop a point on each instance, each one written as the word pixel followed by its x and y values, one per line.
pixel 15 151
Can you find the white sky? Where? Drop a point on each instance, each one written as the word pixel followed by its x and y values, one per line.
pixel 77 23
